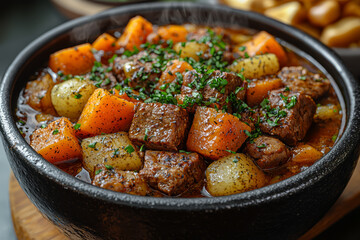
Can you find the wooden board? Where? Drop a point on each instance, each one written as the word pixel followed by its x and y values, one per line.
pixel 30 224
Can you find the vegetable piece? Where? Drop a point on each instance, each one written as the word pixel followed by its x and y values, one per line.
pixel 324 13
pixel 264 42
pixel 191 49
pixel 125 96
pixel 305 154
pixel 120 181
pixel 176 33
pixel 214 133
pixel 75 60
pixel 38 94
pixel 289 13
pixel 258 90
pixel 327 112
pixel 105 113
pixel 351 9
pixel 57 141
pixel 169 75
pixel 105 42
pixel 342 33
pixel 233 174
pixel 256 67
pixel 135 33
pixel 114 149
pixel 70 97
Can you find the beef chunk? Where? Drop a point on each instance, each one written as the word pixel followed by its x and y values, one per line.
pixel 159 126
pixel 268 152
pixel 300 80
pixel 172 173
pixel 120 181
pixel 217 89
pixel 138 69
pixel 294 113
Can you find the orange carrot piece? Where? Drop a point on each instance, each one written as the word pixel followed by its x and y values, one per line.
pixel 264 42
pixel 57 142
pixel 176 33
pixel 75 60
pixel 105 113
pixel 213 133
pixel 258 90
pixel 135 33
pixel 124 95
pixel 105 42
pixel 169 75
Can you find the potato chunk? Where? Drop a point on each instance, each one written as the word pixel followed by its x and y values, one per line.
pixel 115 150
pixel 233 174
pixel 191 49
pixel 70 97
pixel 256 67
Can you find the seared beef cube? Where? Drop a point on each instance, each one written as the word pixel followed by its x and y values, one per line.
pixel 120 181
pixel 290 117
pixel 268 152
pixel 172 173
pixel 300 80
pixel 159 126
pixel 217 89
pixel 138 70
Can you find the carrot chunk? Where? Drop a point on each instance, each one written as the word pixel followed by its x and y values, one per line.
pixel 57 142
pixel 75 60
pixel 123 95
pixel 105 42
pixel 214 134
pixel 169 75
pixel 176 33
pixel 258 90
pixel 105 113
pixel 264 42
pixel 135 33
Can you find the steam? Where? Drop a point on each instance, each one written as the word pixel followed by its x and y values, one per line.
pixel 171 15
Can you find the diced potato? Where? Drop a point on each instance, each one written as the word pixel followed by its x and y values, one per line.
pixel 326 112
pixel 352 9
pixel 233 174
pixel 70 97
pixel 324 13
pixel 289 13
pixel 191 49
pixel 342 33
pixel 239 39
pixel 115 150
pixel 256 67
pixel 306 154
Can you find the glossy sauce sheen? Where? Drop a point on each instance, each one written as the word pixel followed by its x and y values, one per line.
pixel 322 134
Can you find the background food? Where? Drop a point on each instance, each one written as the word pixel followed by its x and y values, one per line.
pixel 335 22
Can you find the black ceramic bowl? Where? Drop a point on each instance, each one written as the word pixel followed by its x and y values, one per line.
pixel 284 210
pixel 351 58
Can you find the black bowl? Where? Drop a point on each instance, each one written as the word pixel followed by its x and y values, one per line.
pixel 351 58
pixel 284 210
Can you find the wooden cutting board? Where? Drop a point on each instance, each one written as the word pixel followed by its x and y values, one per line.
pixel 30 224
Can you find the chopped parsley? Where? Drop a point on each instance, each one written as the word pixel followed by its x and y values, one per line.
pixel 129 149
pixel 92 145
pixel 116 152
pixel 77 126
pixel 230 151
pixel 98 171
pixel 56 131
pixel 183 151
pixel 77 96
pixel 109 167
pixel 146 134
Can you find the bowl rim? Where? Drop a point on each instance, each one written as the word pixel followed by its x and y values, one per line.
pixel 313 174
